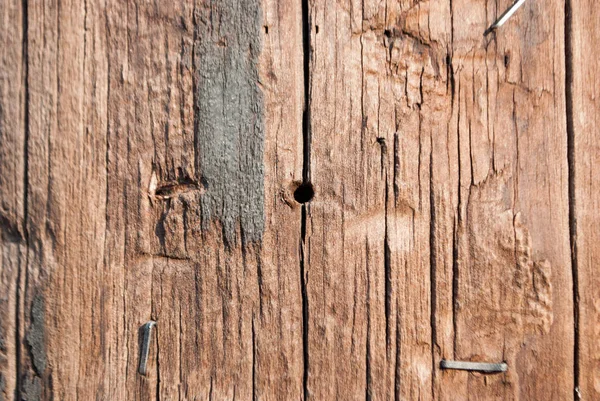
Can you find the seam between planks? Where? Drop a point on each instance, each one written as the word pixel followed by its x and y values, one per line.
pixel 572 193
pixel 306 142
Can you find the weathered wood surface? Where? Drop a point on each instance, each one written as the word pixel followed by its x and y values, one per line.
pixel 149 156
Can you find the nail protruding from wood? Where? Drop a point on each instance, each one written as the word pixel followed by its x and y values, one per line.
pixel 504 17
pixel 145 350
pixel 474 366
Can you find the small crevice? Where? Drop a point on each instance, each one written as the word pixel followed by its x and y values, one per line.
pixel 305 306
pixel 398 361
pixel 455 278
pixel 387 263
pixel 22 270
pixel 457 223
pixel 174 188
pixel 386 245
pixel 368 387
pixel 451 78
pixel 254 355
pixel 157 396
pixel 383 145
pixel 369 379
pixel 432 271
pixel 306 123
pixel 259 274
pixel 396 167
pixel 421 95
pixel 181 348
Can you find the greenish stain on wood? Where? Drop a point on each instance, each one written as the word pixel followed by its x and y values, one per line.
pixel 229 126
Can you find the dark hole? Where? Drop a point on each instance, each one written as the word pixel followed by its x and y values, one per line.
pixel 266 29
pixel 506 60
pixel 387 33
pixel 304 193
pixel 316 28
pixel 448 59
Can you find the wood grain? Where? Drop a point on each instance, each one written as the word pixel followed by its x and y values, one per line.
pixel 13 106
pixel 154 158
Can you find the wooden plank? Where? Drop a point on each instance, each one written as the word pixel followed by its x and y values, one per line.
pixel 368 273
pixel 279 349
pixel 473 262
pixel 65 204
pixel 511 279
pixel 582 43
pixel 220 305
pixel 151 183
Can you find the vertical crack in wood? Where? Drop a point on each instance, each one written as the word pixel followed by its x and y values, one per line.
pixel 387 265
pixel 368 376
pixel 157 365
pixel 306 123
pixel 259 278
pixel 18 393
pixel 22 269
pixel 455 228
pixel 432 270
pixel 305 310
pixel 387 269
pixel 396 165
pixel 455 286
pixel 254 354
pixel 306 138
pixel 572 195
pixel 397 362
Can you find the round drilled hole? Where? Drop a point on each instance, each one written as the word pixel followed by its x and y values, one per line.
pixel 304 193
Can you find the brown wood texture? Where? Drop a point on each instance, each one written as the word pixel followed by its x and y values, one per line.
pixel 154 162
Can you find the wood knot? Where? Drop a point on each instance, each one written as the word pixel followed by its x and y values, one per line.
pixel 172 189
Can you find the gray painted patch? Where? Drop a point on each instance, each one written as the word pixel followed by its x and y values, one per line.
pixel 31 389
pixel 229 138
pixel 35 335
